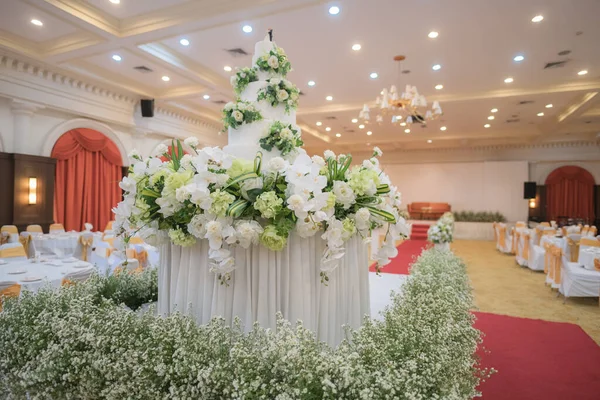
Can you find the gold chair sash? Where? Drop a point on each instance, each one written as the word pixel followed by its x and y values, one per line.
pixel 56 227
pixel 26 242
pixel 549 232
pixel 591 242
pixel 573 249
pixel 514 241
pixel 494 226
pixel 67 282
pixel 35 228
pixel 526 246
pixel 4 239
pixel 11 291
pixel 584 231
pixel 521 225
pixel 10 229
pixel 109 226
pixel 11 252
pixel 502 237
pixel 141 256
pixel 85 245
pixel 556 264
pixel 545 224
pixel 547 257
pixel 136 240
pixel 597 264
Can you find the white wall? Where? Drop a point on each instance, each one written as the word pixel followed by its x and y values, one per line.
pixel 472 186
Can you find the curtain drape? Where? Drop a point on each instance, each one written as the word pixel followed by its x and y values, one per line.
pixel 88 171
pixel 570 193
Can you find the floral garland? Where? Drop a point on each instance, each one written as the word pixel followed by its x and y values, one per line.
pixel 237 202
pixel 285 138
pixel 442 232
pixel 280 91
pixel 275 61
pixel 239 113
pixel 242 78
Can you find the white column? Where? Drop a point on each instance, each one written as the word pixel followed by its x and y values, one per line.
pixel 23 112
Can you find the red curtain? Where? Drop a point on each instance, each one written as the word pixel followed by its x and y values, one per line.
pixel 570 193
pixel 88 171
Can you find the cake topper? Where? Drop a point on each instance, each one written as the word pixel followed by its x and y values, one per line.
pixel 270 34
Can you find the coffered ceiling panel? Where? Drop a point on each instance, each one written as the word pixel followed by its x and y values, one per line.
pixel 16 17
pixel 132 8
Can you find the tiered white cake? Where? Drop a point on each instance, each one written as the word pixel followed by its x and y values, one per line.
pixel 244 140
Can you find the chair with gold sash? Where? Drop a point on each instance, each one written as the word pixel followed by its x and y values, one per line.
pixel 545 224
pixel 494 227
pixel 8 289
pixel 4 238
pixel 523 244
pixel 35 230
pixel 582 282
pixel 130 265
pixel 14 251
pixel 555 267
pixel 12 231
pixel 520 224
pixel 138 253
pixel 77 276
pixel 26 240
pixel 584 230
pixel 537 253
pixel 597 264
pixel 572 250
pixel 592 231
pixel 504 241
pixel 83 251
pixel 109 226
pixel 57 228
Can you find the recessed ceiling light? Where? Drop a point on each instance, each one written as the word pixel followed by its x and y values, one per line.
pixel 486 125
pixel 227 68
pixel 508 80
pixel 549 106
pixel 540 114
pixel 338 135
pixel 361 127
pixel 354 120
pixel 402 123
pixel 116 57
pixel 537 18
pixel 407 130
pixel 439 87
pixel 115 1
pixel 494 110
pixel 356 47
pixel 247 28
pixel 37 22
pixel 443 128
pixel 491 117
pixel 184 42
pixel 329 98
pixel 319 123
pixel 582 72
pixel 429 141
pixel 373 75
pixel 166 78
pixel 328 129
pixel 433 34
pixel 334 10
pixel 312 83
pixel 369 133
pixel 206 97
pixel 436 67
pixel 519 58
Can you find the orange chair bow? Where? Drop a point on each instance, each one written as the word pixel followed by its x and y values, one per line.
pixel 526 246
pixel 495 226
pixel 10 291
pixel 26 242
pixel 4 238
pixel 548 257
pixel 85 242
pixel 502 237
pixel 573 249
pixel 141 256
pixel 514 241
pixel 67 282
pixel 556 264
pixel 597 264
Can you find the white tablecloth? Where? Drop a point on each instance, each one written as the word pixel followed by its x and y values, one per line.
pixel 61 244
pixel 266 282
pixel 48 274
pixel 579 282
pixel 587 256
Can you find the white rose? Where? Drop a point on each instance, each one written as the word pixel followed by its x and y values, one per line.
pixel 318 160
pixel 344 194
pixel 192 141
pixel 275 81
pixel 286 134
pixel 294 96
pixel 160 150
pixel 250 184
pixel 273 62
pixel 229 106
pixel 282 95
pixel 306 229
pixel 242 106
pixel 296 203
pixel 238 116
pixel 329 154
pixel 362 218
pixel 182 194
pixel 186 161
pixel 277 164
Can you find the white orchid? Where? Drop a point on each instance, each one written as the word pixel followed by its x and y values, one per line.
pixel 160 150
pixel 192 141
pixel 344 194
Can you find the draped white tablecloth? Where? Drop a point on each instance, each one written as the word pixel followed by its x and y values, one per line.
pixel 60 244
pixel 47 274
pixel 266 282
pixel 587 256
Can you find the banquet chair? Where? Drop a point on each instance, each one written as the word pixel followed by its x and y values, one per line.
pixel 138 253
pixel 15 251
pixel 109 226
pixel 26 240
pixel 537 255
pixel 520 224
pixel 131 265
pixel 35 229
pixel 77 276
pixel 12 231
pixel 584 230
pixel 592 231
pixel 8 289
pixel 577 281
pixel 504 240
pixel 83 251
pixel 4 238
pixel 572 250
pixel 57 228
pixel 523 248
pixel 136 240
pixel 545 224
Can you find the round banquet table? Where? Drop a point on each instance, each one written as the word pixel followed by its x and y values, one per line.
pixel 266 282
pixel 60 244
pixel 49 273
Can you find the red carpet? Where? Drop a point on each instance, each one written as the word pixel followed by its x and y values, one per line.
pixel 419 231
pixel 538 360
pixel 408 251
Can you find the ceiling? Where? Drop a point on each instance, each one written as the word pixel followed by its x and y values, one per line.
pixel 476 45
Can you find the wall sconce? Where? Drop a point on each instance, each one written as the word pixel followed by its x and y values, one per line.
pixel 32 190
pixel 531 203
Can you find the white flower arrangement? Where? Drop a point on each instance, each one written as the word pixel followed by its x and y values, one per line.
pixel 242 78
pixel 442 232
pixel 275 61
pixel 284 137
pixel 207 195
pixel 239 113
pixel 79 343
pixel 280 91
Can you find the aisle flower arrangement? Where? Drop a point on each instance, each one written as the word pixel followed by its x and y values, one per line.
pixel 77 344
pixel 442 231
pixel 209 195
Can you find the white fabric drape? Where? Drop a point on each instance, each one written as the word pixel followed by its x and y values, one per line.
pixel 266 282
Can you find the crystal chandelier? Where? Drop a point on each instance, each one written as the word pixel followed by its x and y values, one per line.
pixel 409 105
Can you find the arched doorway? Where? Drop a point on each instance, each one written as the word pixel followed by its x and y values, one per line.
pixel 88 172
pixel 570 193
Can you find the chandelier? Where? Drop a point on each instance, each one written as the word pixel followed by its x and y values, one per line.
pixel 408 105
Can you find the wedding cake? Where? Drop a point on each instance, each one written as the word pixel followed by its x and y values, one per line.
pixel 263 117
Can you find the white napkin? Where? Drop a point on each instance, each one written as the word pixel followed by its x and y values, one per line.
pixel 88 227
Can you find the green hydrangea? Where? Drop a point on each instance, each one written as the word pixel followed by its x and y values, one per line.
pixel 159 176
pixel 269 204
pixel 271 239
pixel 220 202
pixel 330 201
pixel 349 228
pixel 176 180
pixel 363 181
pixel 240 166
pixel 180 238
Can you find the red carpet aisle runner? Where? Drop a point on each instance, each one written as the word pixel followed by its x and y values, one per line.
pixel 408 251
pixel 538 360
pixel 419 231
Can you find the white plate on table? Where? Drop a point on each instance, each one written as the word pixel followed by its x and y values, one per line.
pixel 53 264
pixel 31 279
pixel 16 272
pixel 81 265
pixel 70 260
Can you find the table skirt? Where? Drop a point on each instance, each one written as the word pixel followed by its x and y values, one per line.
pixel 266 282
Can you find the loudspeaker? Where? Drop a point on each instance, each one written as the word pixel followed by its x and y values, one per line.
pixel 529 190
pixel 147 106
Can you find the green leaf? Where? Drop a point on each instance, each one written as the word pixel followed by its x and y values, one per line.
pixel 241 178
pixel 150 193
pixel 382 189
pixel 386 216
pixel 258 162
pixel 237 208
pixel 254 193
